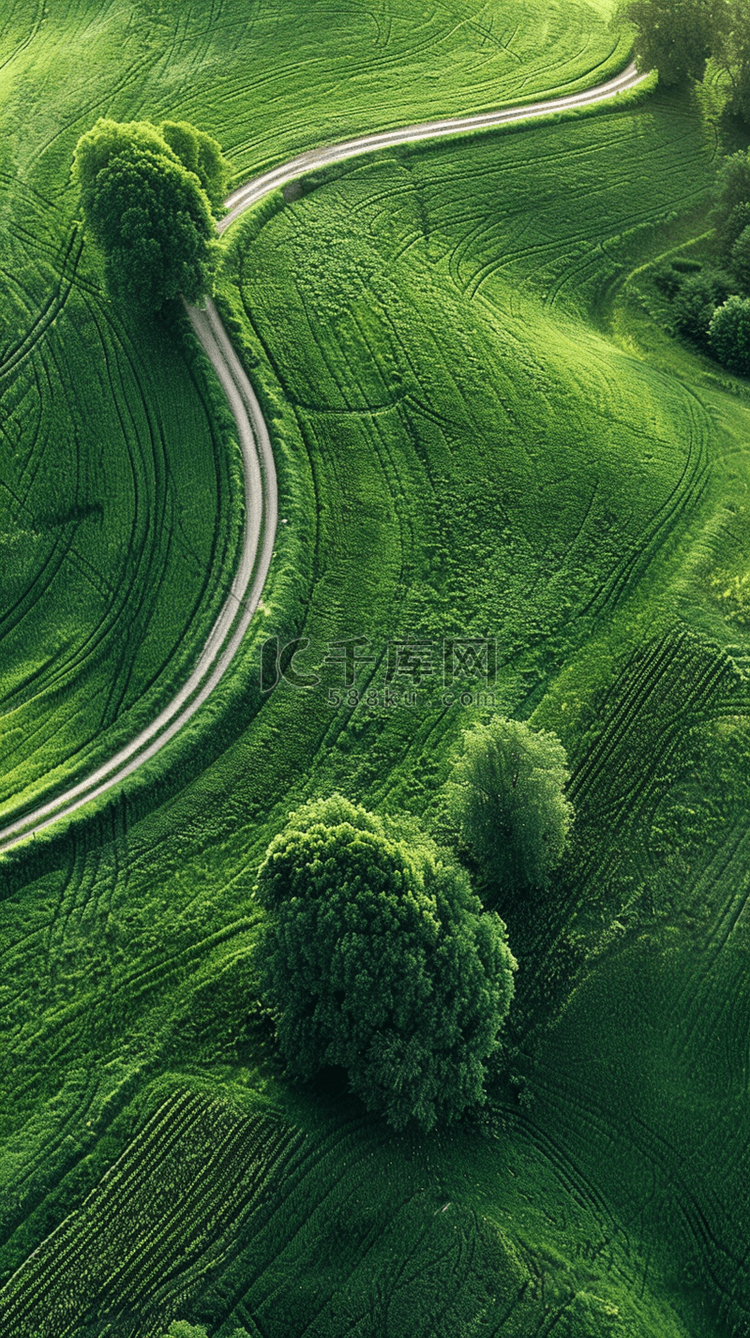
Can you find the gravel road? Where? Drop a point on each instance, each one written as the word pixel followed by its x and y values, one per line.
pixel 260 475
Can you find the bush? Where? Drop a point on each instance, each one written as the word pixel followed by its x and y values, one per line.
pixel 741 261
pixel 147 211
pixel 694 305
pixel 683 265
pixel 729 335
pixel 506 794
pixel 675 38
pixel 732 212
pixel 665 278
pixel 378 958
pixel 696 301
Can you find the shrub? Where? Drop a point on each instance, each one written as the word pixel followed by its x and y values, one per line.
pixel 665 278
pixel 378 958
pixel 732 212
pixel 696 300
pixel 683 265
pixel 741 261
pixel 729 334
pixel 506 794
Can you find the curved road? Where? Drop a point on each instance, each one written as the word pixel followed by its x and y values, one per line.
pixel 261 501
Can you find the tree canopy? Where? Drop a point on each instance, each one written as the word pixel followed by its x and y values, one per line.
pixel 732 212
pixel 729 335
pixel 200 154
pixel 674 37
pixel 377 957
pixel 506 794
pixel 149 207
pixel 731 52
pixel 680 37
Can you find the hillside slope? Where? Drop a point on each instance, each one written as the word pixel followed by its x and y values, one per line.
pixel 479 437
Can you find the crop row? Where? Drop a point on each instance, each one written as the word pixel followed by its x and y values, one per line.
pixel 165 1213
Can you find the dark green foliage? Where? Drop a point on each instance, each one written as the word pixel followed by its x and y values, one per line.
pixel 181 1329
pixel 683 265
pixel 679 37
pixel 674 38
pixel 729 333
pixel 665 278
pixel 506 794
pixel 378 958
pixel 741 260
pixel 150 215
pixel 201 154
pixel 696 300
pixel 732 213
pixel 731 52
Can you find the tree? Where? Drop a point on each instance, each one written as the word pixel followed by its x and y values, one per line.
pixel 377 957
pixel 732 212
pixel 675 37
pixel 731 52
pixel 506 794
pixel 741 260
pixel 148 211
pixel 200 154
pixel 729 335
pixel 696 301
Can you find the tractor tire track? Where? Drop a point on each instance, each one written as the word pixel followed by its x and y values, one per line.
pixel 261 494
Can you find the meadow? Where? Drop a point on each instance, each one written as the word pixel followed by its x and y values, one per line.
pixel 121 501
pixel 482 435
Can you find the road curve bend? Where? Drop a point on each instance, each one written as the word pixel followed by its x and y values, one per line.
pixel 261 495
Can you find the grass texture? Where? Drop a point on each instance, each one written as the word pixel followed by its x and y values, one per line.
pixel 482 434
pixel 119 494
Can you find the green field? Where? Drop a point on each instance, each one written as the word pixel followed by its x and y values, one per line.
pixel 481 433
pixel 119 497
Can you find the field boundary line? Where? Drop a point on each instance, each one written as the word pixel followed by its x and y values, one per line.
pixel 260 484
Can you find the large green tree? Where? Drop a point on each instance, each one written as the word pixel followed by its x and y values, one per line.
pixel 731 52
pixel 148 209
pixel 675 37
pixel 679 38
pixel 729 335
pixel 507 796
pixel 377 957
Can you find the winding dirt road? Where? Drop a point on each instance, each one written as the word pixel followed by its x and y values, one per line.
pixel 261 500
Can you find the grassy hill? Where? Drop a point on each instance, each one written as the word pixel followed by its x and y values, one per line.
pixel 480 434
pixel 119 497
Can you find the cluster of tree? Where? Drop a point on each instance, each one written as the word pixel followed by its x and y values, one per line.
pixel 150 196
pixel 711 301
pixel 377 958
pixel 683 38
